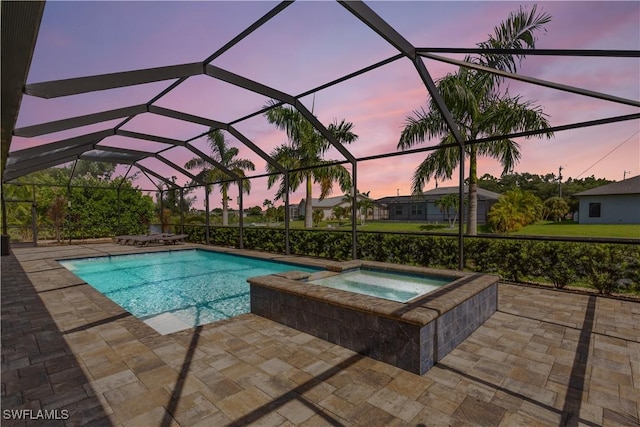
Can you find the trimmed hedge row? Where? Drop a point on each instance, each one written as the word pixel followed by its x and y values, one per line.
pixel 604 266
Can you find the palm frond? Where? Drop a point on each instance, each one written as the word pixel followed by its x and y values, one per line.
pixel 439 164
pixel 420 127
pixel 516 32
pixel 343 131
pixel 326 176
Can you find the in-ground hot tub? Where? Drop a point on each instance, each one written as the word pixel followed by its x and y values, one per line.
pixel 396 286
pixel 412 335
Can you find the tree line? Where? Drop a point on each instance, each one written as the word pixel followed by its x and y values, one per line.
pixel 83 200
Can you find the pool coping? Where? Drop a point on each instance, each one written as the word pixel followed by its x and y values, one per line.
pixel 420 310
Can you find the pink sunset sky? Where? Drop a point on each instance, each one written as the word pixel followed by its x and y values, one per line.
pixel 312 43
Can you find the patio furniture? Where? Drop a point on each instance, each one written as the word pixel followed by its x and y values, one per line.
pixel 173 239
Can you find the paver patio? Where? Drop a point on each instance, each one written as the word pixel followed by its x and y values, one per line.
pixel 545 358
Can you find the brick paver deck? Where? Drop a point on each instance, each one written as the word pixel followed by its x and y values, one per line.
pixel 545 358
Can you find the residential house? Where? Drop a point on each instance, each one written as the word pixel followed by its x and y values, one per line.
pixel 423 207
pixel 328 203
pixel 615 203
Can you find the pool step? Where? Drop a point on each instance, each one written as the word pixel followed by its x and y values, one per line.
pixel 166 323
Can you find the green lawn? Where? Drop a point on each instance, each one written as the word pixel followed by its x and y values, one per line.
pixel 572 229
pixel 543 228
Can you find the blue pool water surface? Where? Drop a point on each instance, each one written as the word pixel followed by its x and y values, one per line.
pixel 394 286
pixel 195 286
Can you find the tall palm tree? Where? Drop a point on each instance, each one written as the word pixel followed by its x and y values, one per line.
pixel 363 203
pixel 305 148
pixel 226 156
pixel 481 108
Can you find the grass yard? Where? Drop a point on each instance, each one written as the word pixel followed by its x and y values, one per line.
pixel 572 229
pixel 542 228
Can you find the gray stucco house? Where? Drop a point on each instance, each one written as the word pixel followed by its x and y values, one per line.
pixel 615 203
pixel 423 207
pixel 327 204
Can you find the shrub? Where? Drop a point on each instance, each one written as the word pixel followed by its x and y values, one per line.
pixel 515 209
pixel 607 266
pixel 558 261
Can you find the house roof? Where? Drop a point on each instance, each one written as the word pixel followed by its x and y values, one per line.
pixel 627 186
pixel 437 193
pixel 330 202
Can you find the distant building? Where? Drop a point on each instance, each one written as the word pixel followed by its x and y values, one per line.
pixel 615 203
pixel 327 204
pixel 423 207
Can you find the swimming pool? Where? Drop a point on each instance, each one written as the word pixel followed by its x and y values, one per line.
pixel 177 289
pixel 392 286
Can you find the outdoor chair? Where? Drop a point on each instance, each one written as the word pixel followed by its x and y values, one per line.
pixel 173 239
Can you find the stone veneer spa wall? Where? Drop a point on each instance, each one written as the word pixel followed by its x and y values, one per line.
pixel 412 335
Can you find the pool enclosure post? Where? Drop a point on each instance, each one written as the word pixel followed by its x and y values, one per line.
pixel 161 216
pixel 5 228
pixel 6 240
pixel 241 216
pixel 69 211
pixel 354 213
pixel 34 218
pixel 287 214
pixel 206 214
pixel 461 210
pixel 118 208
pixel 181 210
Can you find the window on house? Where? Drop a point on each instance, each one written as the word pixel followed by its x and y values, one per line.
pixel 398 210
pixel 416 210
pixel 594 210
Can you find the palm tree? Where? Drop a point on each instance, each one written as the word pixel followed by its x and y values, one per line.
pixel 480 109
pixel 450 201
pixel 363 203
pixel 339 212
pixel 305 149
pixel 226 156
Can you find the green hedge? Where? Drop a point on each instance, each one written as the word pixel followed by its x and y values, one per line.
pixel 606 267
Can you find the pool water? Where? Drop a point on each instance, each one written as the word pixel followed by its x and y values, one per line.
pixel 193 286
pixel 392 286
